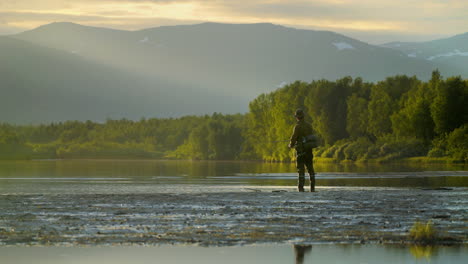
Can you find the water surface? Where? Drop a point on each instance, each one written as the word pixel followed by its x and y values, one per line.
pixel 271 254
pixel 45 176
pixel 150 202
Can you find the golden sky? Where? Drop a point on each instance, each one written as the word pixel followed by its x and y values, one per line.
pixel 374 21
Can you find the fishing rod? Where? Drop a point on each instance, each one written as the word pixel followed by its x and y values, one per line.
pixel 274 141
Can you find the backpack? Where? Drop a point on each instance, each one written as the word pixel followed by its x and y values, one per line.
pixel 306 143
pixel 310 141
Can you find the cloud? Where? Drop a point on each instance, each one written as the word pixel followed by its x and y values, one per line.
pixel 20 21
pixel 409 16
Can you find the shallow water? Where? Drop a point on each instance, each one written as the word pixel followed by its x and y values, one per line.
pixel 127 176
pixel 104 202
pixel 271 254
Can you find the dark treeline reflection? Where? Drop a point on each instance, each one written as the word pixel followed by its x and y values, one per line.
pixel 396 118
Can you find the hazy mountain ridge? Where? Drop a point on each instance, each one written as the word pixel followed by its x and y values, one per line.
pixel 40 84
pixel 203 68
pixel 235 54
pixel 451 54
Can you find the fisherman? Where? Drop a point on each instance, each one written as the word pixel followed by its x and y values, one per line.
pixel 301 140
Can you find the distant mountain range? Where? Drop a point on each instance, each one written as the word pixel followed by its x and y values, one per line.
pixel 450 54
pixel 68 71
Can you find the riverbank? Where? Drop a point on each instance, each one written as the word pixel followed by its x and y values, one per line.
pixel 232 215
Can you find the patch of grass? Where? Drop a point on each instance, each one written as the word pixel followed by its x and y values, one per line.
pixel 423 233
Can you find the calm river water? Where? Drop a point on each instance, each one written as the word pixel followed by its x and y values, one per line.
pixel 46 176
pixel 271 254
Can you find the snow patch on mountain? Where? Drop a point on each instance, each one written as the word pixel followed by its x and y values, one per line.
pixel 144 40
pixel 455 52
pixel 342 45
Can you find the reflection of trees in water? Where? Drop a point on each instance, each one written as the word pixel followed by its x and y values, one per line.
pixel 300 251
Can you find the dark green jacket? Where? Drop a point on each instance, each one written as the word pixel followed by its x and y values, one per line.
pixel 301 129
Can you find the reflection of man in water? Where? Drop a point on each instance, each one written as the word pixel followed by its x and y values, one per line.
pixel 304 154
pixel 300 251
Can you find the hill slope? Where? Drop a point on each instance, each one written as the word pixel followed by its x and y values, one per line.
pixel 39 84
pixel 451 54
pixel 247 58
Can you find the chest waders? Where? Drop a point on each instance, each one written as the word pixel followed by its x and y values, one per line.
pixel 304 159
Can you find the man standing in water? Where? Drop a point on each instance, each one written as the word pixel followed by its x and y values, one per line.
pixel 300 140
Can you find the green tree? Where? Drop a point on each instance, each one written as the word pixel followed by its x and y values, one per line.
pixel 380 109
pixel 413 119
pixel 357 116
pixel 449 109
pixel 326 103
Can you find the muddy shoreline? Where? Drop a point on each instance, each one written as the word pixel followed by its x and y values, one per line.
pixel 232 216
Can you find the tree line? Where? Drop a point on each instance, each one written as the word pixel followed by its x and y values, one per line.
pixel 396 118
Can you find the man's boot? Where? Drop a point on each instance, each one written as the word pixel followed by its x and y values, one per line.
pixel 312 182
pixel 300 184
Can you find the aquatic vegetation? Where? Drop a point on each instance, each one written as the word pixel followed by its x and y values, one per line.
pixel 423 233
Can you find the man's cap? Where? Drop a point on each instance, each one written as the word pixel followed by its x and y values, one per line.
pixel 299 113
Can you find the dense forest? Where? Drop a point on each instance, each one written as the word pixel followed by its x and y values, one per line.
pixel 397 118
pixel 400 117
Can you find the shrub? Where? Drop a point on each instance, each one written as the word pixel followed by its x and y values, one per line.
pixel 329 152
pixel 423 233
pixel 339 155
pixel 436 152
pixel 457 143
pixel 46 150
pixel 402 148
pixel 357 149
pixel 439 147
pixel 319 151
pixel 12 151
pixel 372 152
pixel 339 152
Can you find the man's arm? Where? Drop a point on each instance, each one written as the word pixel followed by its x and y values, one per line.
pixel 293 139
